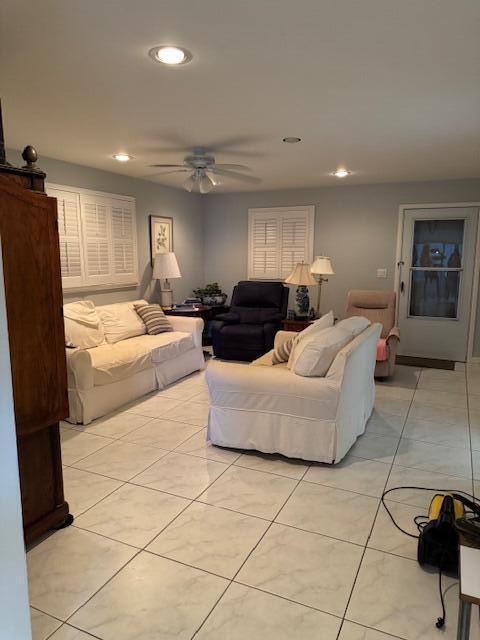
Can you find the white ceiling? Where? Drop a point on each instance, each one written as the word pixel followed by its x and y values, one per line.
pixel 389 88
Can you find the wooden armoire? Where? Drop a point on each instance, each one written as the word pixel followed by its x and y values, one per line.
pixel 33 291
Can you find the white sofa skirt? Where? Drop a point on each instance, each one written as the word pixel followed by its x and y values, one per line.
pixel 88 404
pixel 292 436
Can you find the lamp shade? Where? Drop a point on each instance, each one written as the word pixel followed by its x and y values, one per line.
pixel 322 266
pixel 165 266
pixel 301 275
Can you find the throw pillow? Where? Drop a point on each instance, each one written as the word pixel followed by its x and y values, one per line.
pixel 282 352
pixel 120 321
pixel 154 318
pixel 322 323
pixel 83 329
pixel 354 324
pixel 315 355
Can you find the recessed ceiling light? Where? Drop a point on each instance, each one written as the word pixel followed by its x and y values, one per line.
pixel 341 173
pixel 170 55
pixel 122 157
pixel 292 139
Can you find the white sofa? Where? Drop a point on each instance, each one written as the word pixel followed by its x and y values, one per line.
pixel 274 410
pixel 104 377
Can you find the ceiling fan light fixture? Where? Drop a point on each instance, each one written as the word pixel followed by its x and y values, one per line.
pixel 205 184
pixel 341 173
pixel 170 55
pixel 122 157
pixel 190 182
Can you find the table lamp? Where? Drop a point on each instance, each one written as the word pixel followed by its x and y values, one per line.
pixel 165 266
pixel 321 266
pixel 302 277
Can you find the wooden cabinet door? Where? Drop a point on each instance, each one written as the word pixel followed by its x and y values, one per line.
pixel 31 264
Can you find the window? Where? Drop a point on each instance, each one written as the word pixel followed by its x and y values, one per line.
pixel 97 234
pixel 278 239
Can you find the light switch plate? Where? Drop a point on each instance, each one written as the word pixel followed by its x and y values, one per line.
pixel 381 273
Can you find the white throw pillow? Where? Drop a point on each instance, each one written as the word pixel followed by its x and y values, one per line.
pixel 315 354
pixel 83 328
pixel 121 321
pixel 354 324
pixel 322 323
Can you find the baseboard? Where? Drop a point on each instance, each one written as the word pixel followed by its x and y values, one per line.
pixel 426 363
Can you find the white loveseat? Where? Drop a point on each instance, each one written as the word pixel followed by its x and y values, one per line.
pixel 127 363
pixel 274 410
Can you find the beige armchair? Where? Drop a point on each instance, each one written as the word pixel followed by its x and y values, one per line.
pixel 378 306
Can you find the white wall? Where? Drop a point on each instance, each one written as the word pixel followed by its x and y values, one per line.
pixel 151 198
pixel 14 609
pixel 355 225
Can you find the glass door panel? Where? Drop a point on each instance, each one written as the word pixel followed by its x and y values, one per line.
pixel 434 293
pixel 436 268
pixel 438 243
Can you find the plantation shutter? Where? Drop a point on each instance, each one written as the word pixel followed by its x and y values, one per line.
pixel 264 254
pixel 69 235
pixel 97 236
pixel 97 249
pixel 294 243
pixel 278 239
pixel 123 241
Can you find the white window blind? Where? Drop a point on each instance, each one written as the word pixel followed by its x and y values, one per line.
pixel 124 246
pixel 70 239
pixel 97 234
pixel 278 239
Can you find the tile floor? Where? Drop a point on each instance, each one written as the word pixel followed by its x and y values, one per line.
pixel 176 539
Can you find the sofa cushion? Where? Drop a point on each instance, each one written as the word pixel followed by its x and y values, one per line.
pixel 253 294
pixel 255 315
pixel 314 355
pixel 155 320
pixel 170 345
pixel 83 328
pixel 244 336
pixel 354 324
pixel 121 321
pixel 114 362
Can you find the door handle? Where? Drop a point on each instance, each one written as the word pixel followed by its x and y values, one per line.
pixel 402 286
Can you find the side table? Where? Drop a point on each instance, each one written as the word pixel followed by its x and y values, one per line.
pixel 295 325
pixel 205 312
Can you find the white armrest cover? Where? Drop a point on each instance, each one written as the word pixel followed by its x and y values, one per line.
pixel 79 369
pixel 188 325
pixel 271 389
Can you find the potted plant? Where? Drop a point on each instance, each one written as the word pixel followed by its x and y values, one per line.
pixel 211 294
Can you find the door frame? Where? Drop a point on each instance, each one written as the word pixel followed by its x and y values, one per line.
pixel 476 273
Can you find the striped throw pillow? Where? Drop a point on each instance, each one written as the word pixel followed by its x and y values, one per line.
pixel 282 352
pixel 154 318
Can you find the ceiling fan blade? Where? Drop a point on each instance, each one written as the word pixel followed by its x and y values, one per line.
pixel 242 167
pixel 235 175
pixel 166 173
pixel 166 166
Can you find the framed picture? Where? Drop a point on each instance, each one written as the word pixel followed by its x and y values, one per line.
pixel 161 235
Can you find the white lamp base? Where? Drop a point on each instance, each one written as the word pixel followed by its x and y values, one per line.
pixel 166 297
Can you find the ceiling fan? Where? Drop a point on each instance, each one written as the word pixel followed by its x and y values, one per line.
pixel 204 172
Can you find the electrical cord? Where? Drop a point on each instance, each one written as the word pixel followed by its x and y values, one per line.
pixel 420 522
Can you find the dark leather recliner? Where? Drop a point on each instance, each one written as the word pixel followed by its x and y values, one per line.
pixel 248 330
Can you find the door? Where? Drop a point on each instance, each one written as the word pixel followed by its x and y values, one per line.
pixel 436 276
